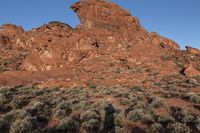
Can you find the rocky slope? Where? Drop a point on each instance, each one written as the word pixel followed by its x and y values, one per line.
pixel 109 48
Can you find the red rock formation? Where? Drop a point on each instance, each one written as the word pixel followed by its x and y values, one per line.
pixel 107 35
pixel 163 42
pixel 192 50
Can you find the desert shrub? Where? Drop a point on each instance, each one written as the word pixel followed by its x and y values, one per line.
pixel 100 105
pixel 118 129
pixel 156 127
pixel 178 128
pixel 156 102
pixel 92 125
pixel 91 114
pixel 174 94
pixel 182 115
pixel 60 113
pixel 135 89
pixel 118 70
pixel 118 119
pixel 75 91
pixel 68 124
pixel 197 123
pixel 21 125
pixel 92 86
pixel 3 123
pixel 18 103
pixel 140 115
pixel 163 119
pixel 56 101
pixel 8 118
pixel 194 98
pixel 3 90
pixel 83 96
pixel 193 82
pixel 39 92
pixel 125 101
pixel 91 120
pixel 62 109
pixel 3 99
pixel 35 106
pixel 64 105
pixel 121 94
pixel 82 105
pixel 17 114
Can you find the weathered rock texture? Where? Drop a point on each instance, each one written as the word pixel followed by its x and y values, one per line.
pixel 109 47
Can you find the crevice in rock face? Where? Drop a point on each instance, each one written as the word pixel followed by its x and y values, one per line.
pixel 96 45
pixel 182 72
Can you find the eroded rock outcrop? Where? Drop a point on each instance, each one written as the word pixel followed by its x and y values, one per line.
pixel 192 50
pixel 108 38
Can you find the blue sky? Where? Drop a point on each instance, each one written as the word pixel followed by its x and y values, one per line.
pixel 175 19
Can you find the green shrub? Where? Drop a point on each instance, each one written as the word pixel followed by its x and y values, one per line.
pixel 64 105
pixel 118 119
pixel 156 102
pixel 197 123
pixel 140 115
pixel 182 115
pixel 3 99
pixel 92 86
pixel 194 98
pixel 121 94
pixel 91 120
pixel 64 108
pixel 118 129
pixel 163 119
pixel 136 89
pixel 178 128
pixel 91 114
pixel 60 113
pixel 82 105
pixel 156 127
pixel 35 105
pixel 68 124
pixel 21 125
pixel 92 125
pixel 125 101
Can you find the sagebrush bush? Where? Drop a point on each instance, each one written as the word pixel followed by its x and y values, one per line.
pixel 136 89
pixel 21 125
pixel 91 114
pixel 156 127
pixel 118 119
pixel 140 115
pixel 91 125
pixel 35 105
pixel 182 116
pixel 156 102
pixel 118 129
pixel 82 105
pixel 178 128
pixel 163 119
pixel 125 101
pixel 68 124
pixel 197 123
pixel 91 120
pixel 65 106
pixel 194 98
pixel 3 99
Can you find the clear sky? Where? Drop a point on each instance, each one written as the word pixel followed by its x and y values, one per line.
pixel 175 19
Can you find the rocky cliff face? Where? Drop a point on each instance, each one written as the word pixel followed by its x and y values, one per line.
pixel 107 35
